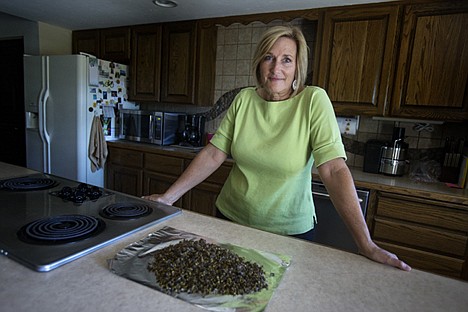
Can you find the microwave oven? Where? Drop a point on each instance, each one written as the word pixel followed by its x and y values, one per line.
pixel 166 127
pixel 159 128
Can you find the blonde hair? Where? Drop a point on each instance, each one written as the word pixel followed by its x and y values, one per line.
pixel 268 40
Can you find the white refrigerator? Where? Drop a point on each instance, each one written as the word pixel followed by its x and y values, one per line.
pixel 63 94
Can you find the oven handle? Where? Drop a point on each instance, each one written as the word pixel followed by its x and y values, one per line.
pixel 328 196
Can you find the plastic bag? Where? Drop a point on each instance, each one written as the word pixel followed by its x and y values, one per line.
pixel 425 171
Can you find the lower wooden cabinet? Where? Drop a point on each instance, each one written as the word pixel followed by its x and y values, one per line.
pixel 152 171
pixel 202 198
pixel 158 183
pixel 124 179
pixel 428 234
pixel 124 171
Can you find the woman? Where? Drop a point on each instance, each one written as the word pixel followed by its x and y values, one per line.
pixel 275 132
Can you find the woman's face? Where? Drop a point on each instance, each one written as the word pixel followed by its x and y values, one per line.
pixel 278 69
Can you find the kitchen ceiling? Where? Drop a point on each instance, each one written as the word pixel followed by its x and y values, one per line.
pixel 88 14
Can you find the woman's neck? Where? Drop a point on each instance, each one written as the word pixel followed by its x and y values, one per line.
pixel 267 96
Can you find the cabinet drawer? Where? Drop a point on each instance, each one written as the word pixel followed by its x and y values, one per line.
pixel 426 261
pixel 409 234
pixel 427 212
pixel 164 164
pixel 126 157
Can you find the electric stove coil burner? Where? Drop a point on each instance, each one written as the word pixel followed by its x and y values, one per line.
pixel 125 211
pixel 61 229
pixel 28 184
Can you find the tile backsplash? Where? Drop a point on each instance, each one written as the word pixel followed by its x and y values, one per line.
pixel 426 141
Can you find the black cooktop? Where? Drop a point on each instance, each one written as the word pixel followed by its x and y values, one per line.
pixel 47 221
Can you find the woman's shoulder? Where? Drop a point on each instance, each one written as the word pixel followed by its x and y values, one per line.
pixel 313 90
pixel 313 98
pixel 246 95
pixel 313 93
pixel 247 91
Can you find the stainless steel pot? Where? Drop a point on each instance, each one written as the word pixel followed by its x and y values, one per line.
pixel 393 160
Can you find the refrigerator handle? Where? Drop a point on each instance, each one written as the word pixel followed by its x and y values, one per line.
pixel 44 97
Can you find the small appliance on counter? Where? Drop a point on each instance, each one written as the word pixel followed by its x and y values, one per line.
pixel 165 127
pixel 393 157
pixel 193 131
pixel 136 125
pixel 159 128
pixel 372 156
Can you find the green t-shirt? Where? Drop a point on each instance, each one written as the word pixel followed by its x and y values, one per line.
pixel 274 145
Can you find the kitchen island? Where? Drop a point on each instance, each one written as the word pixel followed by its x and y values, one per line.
pixel 319 278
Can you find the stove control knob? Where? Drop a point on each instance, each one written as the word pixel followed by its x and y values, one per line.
pixel 79 197
pixel 65 192
pixel 94 193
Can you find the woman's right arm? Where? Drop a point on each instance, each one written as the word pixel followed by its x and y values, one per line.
pixel 203 165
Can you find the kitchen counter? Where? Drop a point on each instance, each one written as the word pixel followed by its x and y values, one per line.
pixel 319 278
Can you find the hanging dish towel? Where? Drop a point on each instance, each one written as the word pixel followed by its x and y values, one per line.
pixel 97 150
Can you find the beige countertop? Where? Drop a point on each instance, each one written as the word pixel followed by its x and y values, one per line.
pixel 318 279
pixel 405 186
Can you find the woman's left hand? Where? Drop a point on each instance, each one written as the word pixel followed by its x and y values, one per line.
pixel 383 256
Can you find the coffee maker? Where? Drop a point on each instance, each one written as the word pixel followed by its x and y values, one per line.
pixel 393 157
pixel 193 131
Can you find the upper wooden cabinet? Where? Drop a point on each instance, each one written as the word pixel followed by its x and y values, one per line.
pixel 432 72
pixel 86 41
pixel 178 66
pixel 174 63
pixel 145 71
pixel 111 44
pixel 115 44
pixel 357 58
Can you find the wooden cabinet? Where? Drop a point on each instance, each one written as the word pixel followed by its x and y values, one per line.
pixel 115 44
pixel 87 41
pixel 142 171
pixel 432 71
pixel 160 172
pixel 178 65
pixel 111 44
pixel 145 72
pixel 174 63
pixel 124 171
pixel 205 65
pixel 428 234
pixel 357 58
pixel 202 198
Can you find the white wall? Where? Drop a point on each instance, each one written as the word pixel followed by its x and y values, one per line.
pixel 12 27
pixel 54 40
pixel 39 38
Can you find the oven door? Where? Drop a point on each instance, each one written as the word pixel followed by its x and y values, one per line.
pixel 330 230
